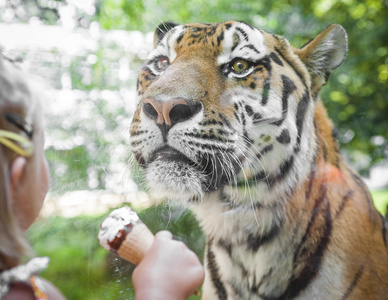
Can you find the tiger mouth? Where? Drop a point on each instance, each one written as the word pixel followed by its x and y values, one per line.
pixel 170 154
pixel 210 170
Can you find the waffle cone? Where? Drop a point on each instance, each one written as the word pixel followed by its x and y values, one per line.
pixel 136 244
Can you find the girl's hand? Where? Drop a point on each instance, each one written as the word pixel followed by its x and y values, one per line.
pixel 169 270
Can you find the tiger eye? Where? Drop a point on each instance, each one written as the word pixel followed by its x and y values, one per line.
pixel 162 63
pixel 240 66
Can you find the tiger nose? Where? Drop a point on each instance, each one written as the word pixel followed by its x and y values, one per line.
pixel 170 112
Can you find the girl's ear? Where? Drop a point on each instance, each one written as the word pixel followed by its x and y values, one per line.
pixel 18 168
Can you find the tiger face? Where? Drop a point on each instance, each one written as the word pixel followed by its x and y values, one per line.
pixel 223 107
pixel 229 120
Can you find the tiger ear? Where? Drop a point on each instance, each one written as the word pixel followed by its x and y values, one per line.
pixel 324 53
pixel 161 31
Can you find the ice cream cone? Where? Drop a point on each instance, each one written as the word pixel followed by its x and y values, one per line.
pixel 136 244
pixel 123 232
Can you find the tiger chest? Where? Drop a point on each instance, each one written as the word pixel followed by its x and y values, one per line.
pixel 240 261
pixel 243 262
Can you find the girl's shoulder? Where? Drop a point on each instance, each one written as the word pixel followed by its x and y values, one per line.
pixel 20 291
pixel 36 289
pixel 22 283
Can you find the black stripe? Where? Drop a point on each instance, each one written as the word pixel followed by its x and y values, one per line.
pixel 214 273
pixel 364 189
pixel 247 139
pixel 197 29
pixel 252 48
pixel 194 199
pixel 210 137
pixel 334 135
pixel 306 43
pixel 259 177
pixel 139 158
pixel 226 121
pixel 211 122
pixel 300 114
pixel 354 283
pixel 238 290
pixel 137 132
pixel 212 148
pixel 134 144
pixel 235 43
pixel 295 70
pixel 265 150
pixel 244 121
pixel 284 168
pixel 314 214
pixel 276 58
pixel 311 179
pixel 273 179
pixel 384 221
pixel 345 199
pixel 266 63
pixel 249 25
pixel 256 288
pixel 243 33
pixel 266 89
pixel 257 118
pixel 284 137
pixel 146 69
pixel 237 117
pixel 179 39
pixel 249 110
pixel 220 38
pixel 288 88
pixel 254 242
pixel 311 258
pixel 223 244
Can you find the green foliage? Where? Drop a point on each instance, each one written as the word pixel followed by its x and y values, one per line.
pixel 380 198
pixel 75 256
pixel 74 163
pixel 82 269
pixel 121 14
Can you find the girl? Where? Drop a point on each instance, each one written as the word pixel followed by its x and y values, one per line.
pixel 168 271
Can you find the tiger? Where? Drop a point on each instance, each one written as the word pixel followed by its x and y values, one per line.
pixel 229 122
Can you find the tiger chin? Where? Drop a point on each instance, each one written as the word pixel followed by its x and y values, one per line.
pixel 229 121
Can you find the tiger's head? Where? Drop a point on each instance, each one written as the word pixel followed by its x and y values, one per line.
pixel 222 107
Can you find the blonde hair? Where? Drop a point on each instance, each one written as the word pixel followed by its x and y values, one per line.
pixel 17 98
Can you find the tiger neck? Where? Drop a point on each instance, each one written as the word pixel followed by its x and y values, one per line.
pixel 260 210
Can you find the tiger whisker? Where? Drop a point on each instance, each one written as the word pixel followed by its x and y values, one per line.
pixel 259 165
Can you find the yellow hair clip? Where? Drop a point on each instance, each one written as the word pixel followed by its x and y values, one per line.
pixel 6 138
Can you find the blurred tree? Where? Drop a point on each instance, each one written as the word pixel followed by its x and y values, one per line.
pixel 49 12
